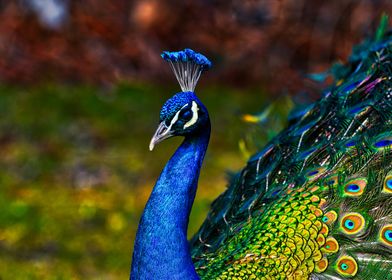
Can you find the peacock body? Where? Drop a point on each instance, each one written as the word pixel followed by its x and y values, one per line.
pixel 316 202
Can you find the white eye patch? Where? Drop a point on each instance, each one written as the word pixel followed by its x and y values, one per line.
pixel 195 115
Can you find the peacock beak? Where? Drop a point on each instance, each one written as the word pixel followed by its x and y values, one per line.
pixel 163 132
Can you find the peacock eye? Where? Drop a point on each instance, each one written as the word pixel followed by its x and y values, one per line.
pixel 186 115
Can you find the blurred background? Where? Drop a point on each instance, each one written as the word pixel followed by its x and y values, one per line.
pixel 81 86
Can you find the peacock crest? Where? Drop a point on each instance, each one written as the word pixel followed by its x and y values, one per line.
pixel 187 66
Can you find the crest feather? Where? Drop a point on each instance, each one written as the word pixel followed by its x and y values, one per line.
pixel 187 66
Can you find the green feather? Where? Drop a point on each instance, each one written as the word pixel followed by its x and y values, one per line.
pixel 382 27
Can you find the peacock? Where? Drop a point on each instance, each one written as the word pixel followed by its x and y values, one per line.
pixel 315 203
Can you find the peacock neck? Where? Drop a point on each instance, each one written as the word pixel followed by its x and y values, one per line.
pixel 161 248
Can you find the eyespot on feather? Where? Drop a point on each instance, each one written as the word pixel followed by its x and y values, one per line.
pixel 385 235
pixel 346 266
pixel 387 187
pixel 352 223
pixel 330 217
pixel 331 181
pixel 350 143
pixel 312 174
pixel 331 246
pixel 354 188
pixel 383 142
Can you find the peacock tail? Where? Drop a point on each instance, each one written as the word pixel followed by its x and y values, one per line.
pixel 316 203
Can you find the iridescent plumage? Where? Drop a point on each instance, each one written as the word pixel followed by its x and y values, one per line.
pixel 317 202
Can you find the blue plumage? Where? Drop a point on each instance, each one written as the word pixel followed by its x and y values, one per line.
pixel 171 106
pixel 161 248
pixel 187 55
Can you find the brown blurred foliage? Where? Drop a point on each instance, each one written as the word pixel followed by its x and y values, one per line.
pixel 269 42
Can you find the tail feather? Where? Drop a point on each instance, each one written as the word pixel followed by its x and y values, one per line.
pixel 317 201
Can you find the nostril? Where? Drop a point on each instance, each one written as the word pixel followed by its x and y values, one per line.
pixel 163 130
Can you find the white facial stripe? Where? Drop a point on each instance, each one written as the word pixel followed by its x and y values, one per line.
pixel 195 115
pixel 175 118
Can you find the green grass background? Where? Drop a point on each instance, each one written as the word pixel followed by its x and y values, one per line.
pixel 75 171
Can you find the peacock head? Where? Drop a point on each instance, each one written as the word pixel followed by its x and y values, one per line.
pixel 183 114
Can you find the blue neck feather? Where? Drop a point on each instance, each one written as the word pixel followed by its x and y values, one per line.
pixel 161 248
